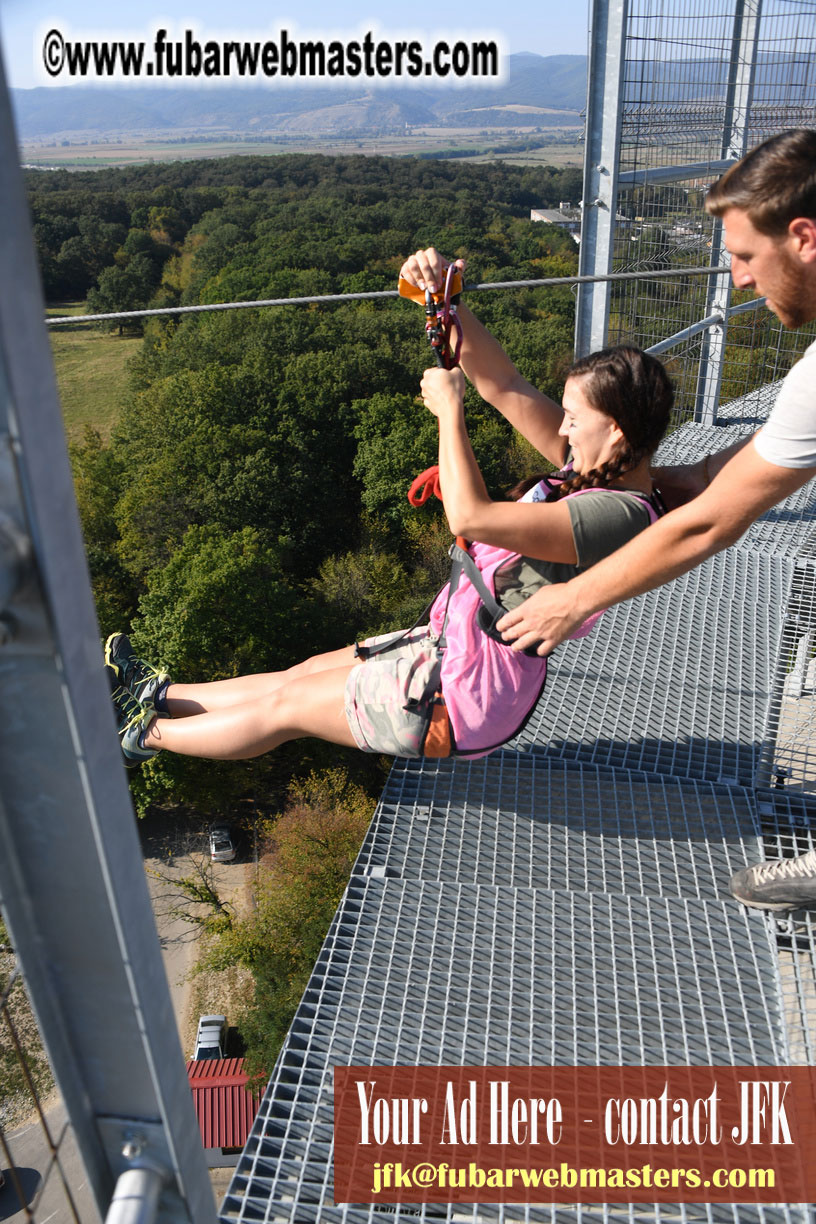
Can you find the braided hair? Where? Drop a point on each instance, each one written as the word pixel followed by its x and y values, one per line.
pixel 632 388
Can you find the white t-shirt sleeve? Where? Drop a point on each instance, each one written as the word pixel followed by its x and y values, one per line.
pixel 788 438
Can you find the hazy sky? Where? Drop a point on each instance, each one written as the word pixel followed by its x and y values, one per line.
pixel 548 27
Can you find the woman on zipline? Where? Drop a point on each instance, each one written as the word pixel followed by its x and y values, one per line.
pixel 379 696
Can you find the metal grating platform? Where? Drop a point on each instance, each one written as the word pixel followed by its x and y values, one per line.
pixel 530 821
pixel 564 900
pixel 785 529
pixel 444 974
pixel 678 681
pixel 665 1213
pixel 750 409
pixel 465 1213
pixel 529 909
pixel 691 441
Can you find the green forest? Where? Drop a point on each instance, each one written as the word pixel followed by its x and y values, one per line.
pixel 249 507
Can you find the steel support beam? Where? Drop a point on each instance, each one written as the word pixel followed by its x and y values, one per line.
pixel 736 118
pixel 703 325
pixel 602 155
pixel 72 881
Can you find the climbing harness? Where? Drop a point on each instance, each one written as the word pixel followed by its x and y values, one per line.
pixel 437 738
pixel 490 610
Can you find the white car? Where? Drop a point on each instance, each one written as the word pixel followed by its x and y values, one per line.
pixel 210 1037
pixel 222 843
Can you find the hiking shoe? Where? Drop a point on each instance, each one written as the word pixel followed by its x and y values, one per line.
pixel 142 680
pixel 780 884
pixel 132 720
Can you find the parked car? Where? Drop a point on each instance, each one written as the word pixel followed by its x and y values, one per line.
pixel 210 1037
pixel 222 843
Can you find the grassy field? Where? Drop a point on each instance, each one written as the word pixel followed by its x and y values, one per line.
pixel 473 143
pixel 91 372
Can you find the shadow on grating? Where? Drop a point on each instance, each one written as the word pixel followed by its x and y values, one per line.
pixel 751 409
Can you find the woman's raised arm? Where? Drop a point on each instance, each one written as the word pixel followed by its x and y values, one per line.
pixel 535 416
pixel 542 530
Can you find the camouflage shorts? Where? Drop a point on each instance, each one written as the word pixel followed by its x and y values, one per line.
pixel 378 689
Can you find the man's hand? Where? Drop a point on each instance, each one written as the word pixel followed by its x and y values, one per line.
pixel 426 269
pixel 544 620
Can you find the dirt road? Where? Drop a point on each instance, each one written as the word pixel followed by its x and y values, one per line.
pixel 171 852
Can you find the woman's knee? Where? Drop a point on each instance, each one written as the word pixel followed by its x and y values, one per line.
pixel 321 662
pixel 314 704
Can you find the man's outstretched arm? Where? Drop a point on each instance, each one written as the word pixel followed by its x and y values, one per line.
pixel 678 484
pixel 744 488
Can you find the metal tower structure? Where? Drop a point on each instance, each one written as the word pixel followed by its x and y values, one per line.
pixel 677 92
pixel 563 901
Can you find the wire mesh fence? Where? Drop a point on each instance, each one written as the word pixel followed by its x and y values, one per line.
pixel 701 82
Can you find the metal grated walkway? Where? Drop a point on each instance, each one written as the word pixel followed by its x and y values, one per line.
pixel 433 973
pixel 565 900
pixel 498 913
pixel 526 976
pixel 678 681
pixel 782 531
pixel 532 822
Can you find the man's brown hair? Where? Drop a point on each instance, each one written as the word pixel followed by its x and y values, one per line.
pixel 773 184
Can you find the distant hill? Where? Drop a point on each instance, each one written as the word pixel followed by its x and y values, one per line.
pixel 545 91
pixel 540 91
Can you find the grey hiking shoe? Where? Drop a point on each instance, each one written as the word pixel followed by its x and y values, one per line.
pixel 132 720
pixel 142 680
pixel 779 884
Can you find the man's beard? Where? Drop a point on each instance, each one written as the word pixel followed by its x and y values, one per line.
pixel 790 299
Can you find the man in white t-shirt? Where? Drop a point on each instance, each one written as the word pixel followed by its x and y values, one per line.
pixel 767 202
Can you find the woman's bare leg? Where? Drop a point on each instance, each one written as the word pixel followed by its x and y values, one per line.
pixel 311 704
pixel 184 700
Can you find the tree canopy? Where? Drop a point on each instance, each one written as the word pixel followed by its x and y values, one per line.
pixel 250 507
